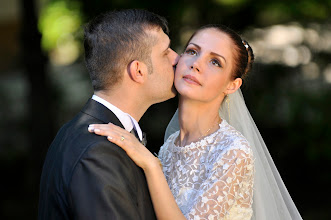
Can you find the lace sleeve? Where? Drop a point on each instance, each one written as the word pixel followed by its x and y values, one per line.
pixel 229 182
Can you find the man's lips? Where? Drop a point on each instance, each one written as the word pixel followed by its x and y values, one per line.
pixel 191 79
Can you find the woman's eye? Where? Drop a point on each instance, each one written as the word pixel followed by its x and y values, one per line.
pixel 190 52
pixel 216 63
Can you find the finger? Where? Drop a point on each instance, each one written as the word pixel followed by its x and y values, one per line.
pixel 125 141
pixel 116 136
pixel 112 133
pixel 108 126
pixel 92 127
pixel 105 127
pixel 103 132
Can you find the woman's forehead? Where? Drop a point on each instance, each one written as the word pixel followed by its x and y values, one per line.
pixel 212 35
pixel 213 40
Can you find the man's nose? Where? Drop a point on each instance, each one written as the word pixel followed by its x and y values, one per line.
pixel 174 57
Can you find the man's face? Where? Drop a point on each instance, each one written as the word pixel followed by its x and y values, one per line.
pixel 164 59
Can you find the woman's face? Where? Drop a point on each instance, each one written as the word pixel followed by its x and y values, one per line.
pixel 204 70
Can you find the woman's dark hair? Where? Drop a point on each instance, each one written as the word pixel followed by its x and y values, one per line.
pixel 243 53
pixel 114 39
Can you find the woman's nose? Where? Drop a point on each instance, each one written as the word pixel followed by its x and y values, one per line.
pixel 195 66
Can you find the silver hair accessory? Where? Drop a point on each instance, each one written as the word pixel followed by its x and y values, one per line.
pixel 246 45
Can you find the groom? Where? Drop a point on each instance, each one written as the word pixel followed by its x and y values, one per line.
pixel 85 176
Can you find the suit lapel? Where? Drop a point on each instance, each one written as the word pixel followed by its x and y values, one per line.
pixel 101 112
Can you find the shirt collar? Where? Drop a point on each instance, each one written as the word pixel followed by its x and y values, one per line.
pixel 127 120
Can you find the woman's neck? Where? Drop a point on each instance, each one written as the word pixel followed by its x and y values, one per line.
pixel 197 120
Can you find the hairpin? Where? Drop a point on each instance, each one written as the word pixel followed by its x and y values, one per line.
pixel 246 45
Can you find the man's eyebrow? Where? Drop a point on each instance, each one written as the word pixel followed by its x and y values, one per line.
pixel 212 53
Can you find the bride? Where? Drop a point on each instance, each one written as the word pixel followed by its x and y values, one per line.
pixel 214 163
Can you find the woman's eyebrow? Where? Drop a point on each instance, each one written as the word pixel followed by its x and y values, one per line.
pixel 212 53
pixel 216 54
pixel 195 45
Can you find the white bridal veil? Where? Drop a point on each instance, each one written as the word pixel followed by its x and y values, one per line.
pixel 271 200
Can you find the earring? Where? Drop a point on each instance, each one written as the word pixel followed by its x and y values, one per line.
pixel 228 103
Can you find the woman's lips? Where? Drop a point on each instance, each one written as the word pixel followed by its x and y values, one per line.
pixel 191 79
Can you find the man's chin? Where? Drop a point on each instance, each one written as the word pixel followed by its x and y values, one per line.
pixel 172 94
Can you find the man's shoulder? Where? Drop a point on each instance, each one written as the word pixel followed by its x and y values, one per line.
pixel 74 143
pixel 77 156
pixel 75 139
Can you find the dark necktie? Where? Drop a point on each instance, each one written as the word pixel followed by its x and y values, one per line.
pixel 135 133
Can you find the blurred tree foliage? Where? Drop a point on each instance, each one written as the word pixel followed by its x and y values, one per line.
pixel 292 113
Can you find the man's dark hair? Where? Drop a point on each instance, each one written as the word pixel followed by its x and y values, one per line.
pixel 114 39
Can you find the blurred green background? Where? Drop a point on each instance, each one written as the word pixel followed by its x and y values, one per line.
pixel 43 83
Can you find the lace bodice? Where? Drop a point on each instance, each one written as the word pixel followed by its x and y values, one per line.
pixel 211 178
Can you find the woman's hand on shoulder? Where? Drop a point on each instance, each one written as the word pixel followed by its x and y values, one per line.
pixel 128 142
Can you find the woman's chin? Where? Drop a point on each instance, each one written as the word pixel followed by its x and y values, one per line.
pixel 187 95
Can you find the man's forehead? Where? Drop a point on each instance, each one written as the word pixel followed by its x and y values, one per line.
pixel 162 40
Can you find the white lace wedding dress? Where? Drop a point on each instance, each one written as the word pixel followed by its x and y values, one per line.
pixel 211 178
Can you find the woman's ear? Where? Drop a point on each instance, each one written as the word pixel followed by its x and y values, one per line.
pixel 137 71
pixel 234 86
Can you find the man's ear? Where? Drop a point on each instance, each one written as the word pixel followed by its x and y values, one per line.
pixel 234 86
pixel 137 71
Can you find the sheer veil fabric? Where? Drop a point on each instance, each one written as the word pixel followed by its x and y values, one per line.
pixel 271 199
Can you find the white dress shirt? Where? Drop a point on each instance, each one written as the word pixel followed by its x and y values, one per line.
pixel 127 120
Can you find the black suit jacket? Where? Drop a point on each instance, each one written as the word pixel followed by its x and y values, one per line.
pixel 87 177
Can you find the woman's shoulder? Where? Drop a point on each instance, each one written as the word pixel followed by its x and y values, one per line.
pixel 230 144
pixel 229 138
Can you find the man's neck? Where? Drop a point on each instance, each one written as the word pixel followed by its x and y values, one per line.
pixel 128 103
